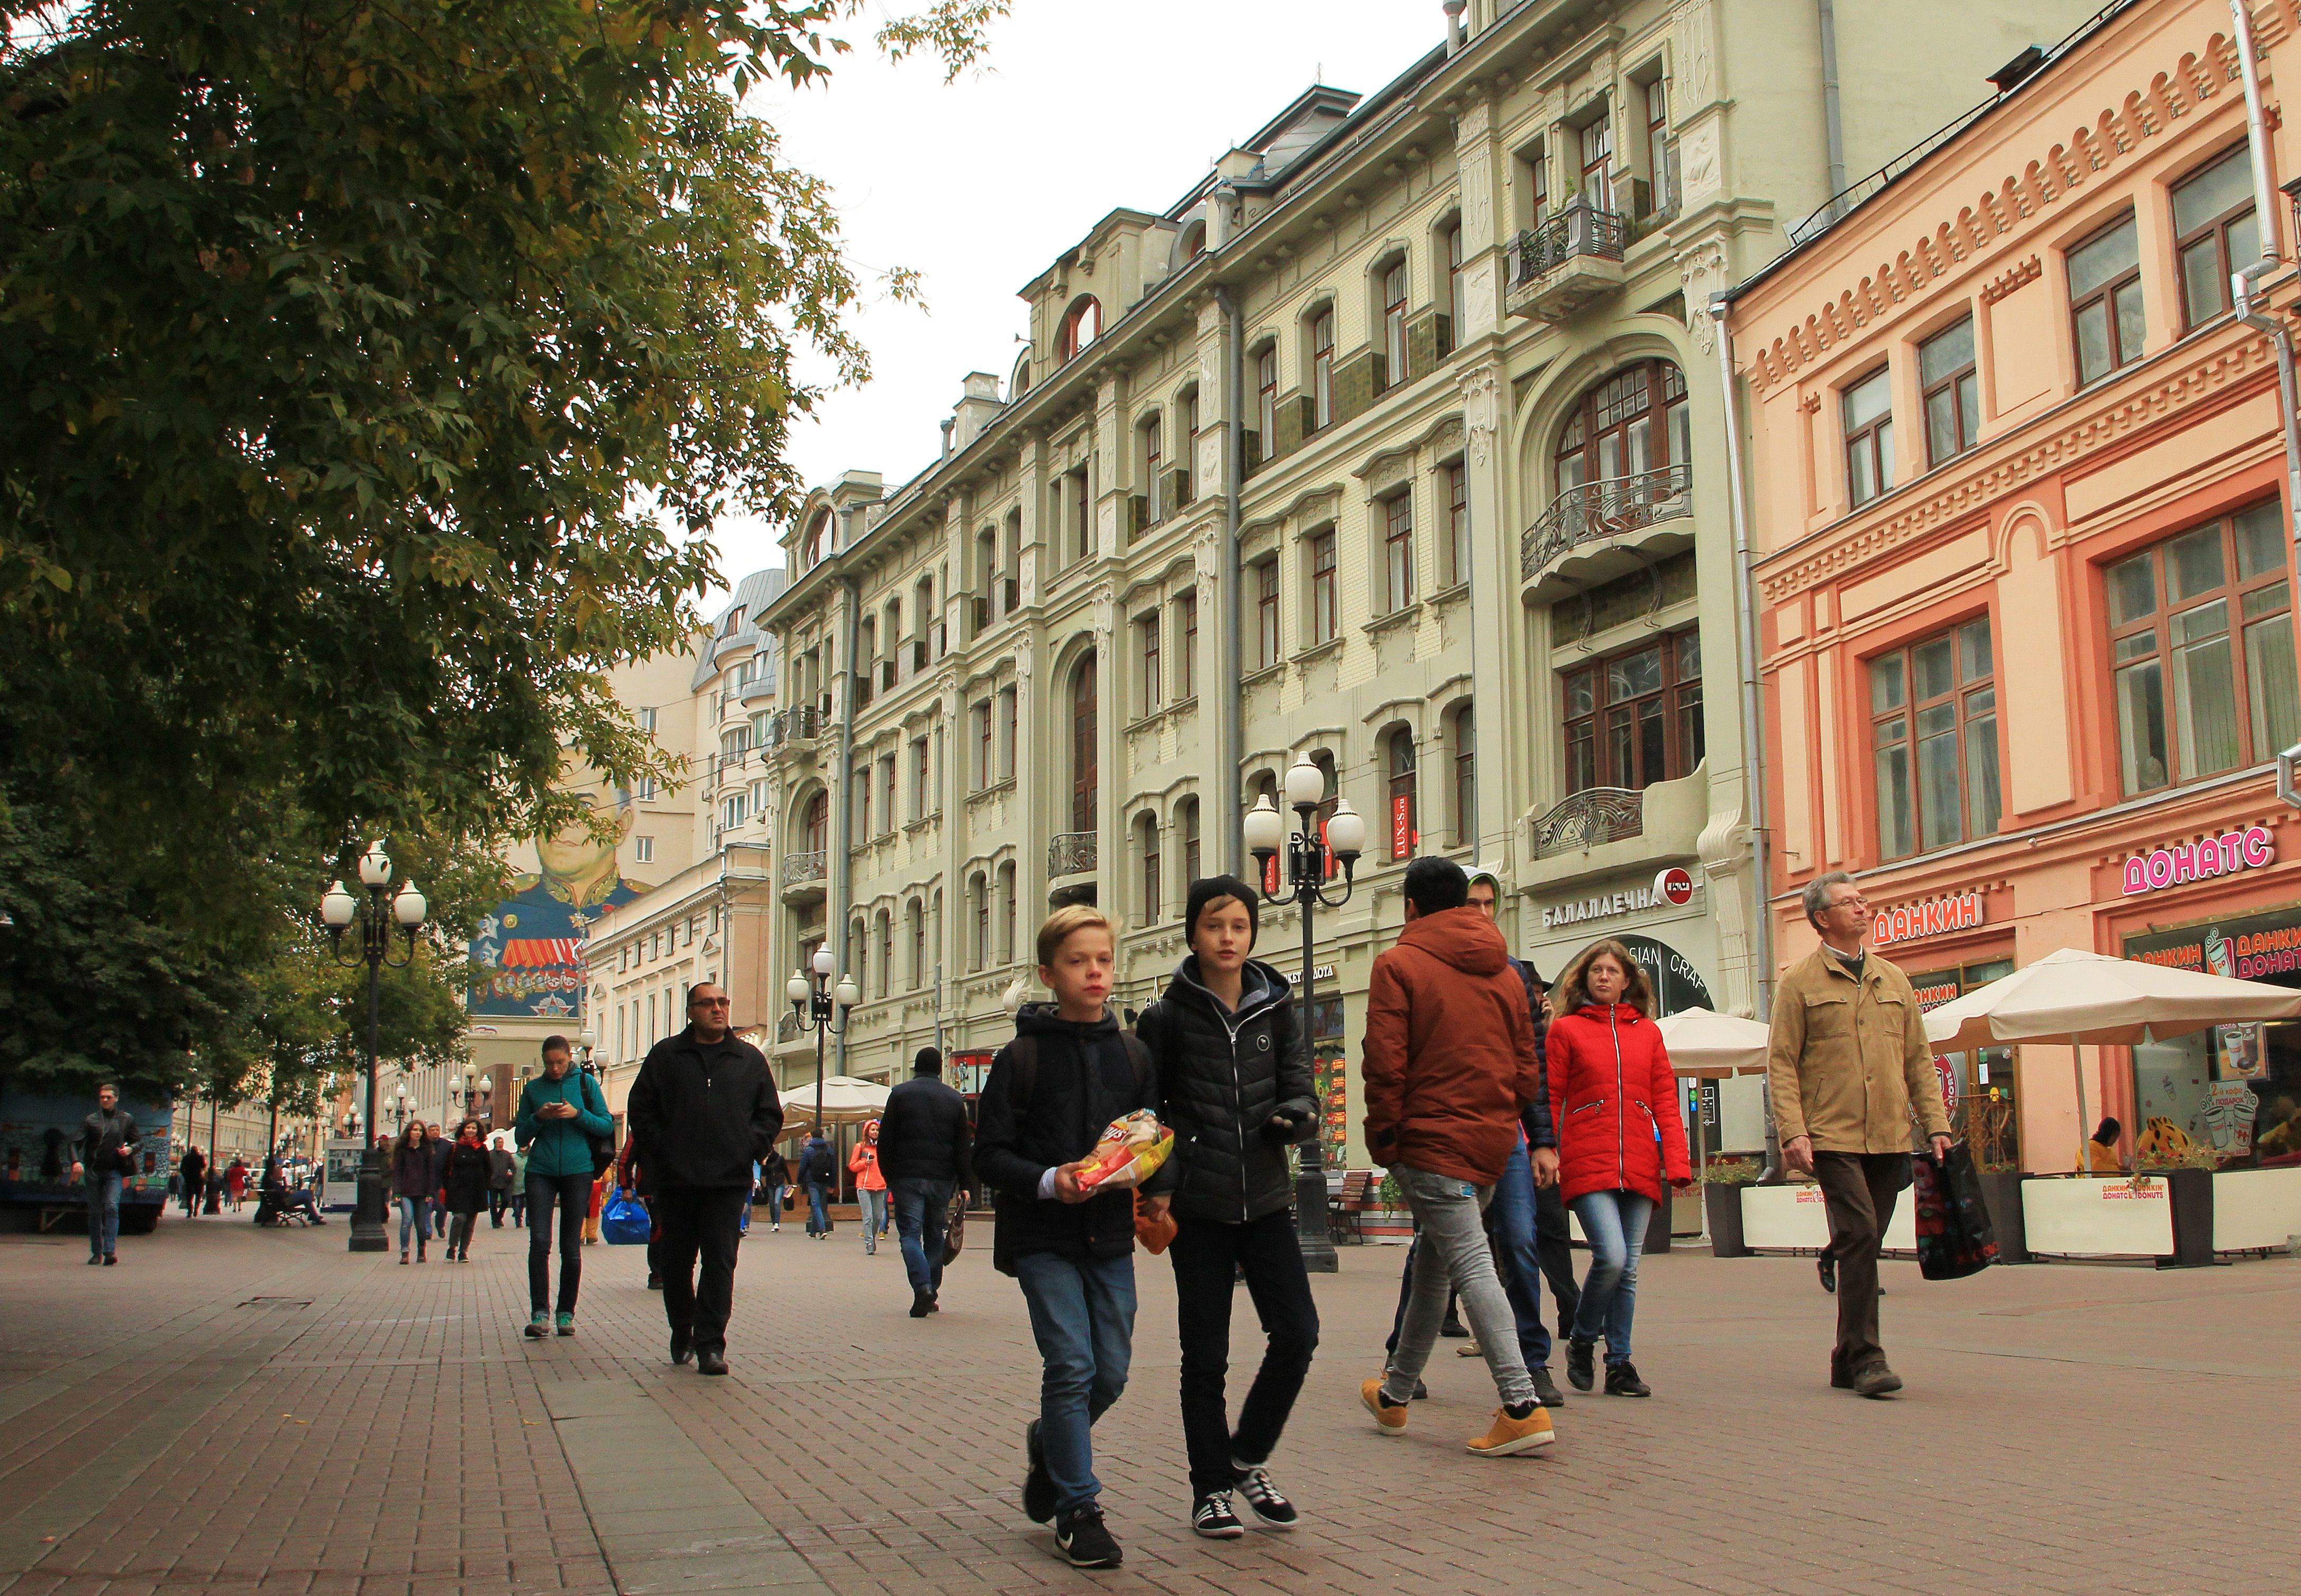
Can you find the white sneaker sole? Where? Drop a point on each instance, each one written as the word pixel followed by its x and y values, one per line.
pixel 1510 1449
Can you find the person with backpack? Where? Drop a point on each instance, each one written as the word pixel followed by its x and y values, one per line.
pixel 1237 1090
pixel 561 1114
pixel 925 1146
pixel 774 1179
pixel 1621 1140
pixel 1068 1073
pixel 818 1171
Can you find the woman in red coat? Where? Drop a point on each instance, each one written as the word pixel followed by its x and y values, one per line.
pixel 1619 1140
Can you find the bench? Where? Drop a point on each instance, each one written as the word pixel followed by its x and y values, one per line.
pixel 1344 1206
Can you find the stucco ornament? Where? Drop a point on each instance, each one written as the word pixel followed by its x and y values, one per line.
pixel 1481 405
pixel 1704 273
pixel 1102 624
pixel 1206 554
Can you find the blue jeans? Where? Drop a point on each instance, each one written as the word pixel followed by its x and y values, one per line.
pixel 1614 1224
pixel 103 1214
pixel 1510 1219
pixel 874 1217
pixel 817 1221
pixel 415 1211
pixel 922 1210
pixel 1083 1317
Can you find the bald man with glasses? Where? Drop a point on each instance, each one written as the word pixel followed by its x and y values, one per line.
pixel 703 1111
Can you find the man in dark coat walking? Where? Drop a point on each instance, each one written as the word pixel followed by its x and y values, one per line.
pixel 925 1148
pixel 703 1110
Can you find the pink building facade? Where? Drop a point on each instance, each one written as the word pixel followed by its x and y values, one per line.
pixel 2024 569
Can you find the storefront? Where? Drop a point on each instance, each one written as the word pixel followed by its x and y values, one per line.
pixel 2235 1089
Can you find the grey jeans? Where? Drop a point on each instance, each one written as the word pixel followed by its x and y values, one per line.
pixel 1454 1254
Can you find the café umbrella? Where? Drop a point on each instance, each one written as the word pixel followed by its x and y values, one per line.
pixel 846 1101
pixel 1711 1046
pixel 2078 995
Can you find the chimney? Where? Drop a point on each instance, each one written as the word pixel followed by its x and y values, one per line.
pixel 978 404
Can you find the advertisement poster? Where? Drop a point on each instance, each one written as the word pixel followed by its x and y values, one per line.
pixel 2229 1110
pixel 1332 1078
pixel 527 957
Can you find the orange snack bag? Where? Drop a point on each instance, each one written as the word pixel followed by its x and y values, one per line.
pixel 1128 1152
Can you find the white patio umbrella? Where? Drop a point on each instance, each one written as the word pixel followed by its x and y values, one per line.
pixel 2078 995
pixel 846 1101
pixel 1711 1046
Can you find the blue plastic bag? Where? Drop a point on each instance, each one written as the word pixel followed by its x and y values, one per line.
pixel 623 1221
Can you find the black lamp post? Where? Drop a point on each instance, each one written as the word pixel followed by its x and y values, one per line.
pixel 374 918
pixel 812 997
pixel 1344 836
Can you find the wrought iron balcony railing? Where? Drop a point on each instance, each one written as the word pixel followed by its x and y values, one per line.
pixel 1589 817
pixel 1070 853
pixel 1577 229
pixel 801 868
pixel 1605 508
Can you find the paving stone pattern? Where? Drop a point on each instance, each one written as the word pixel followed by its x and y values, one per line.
pixel 238 1411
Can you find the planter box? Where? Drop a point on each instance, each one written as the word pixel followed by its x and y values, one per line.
pixel 2193 1217
pixel 1658 1226
pixel 1723 1204
pixel 2255 1209
pixel 1392 1227
pixel 2084 1216
pixel 1792 1219
pixel 2000 1189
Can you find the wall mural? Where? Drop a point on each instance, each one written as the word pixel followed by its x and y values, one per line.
pixel 527 957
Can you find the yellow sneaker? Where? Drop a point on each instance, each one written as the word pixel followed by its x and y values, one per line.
pixel 1510 1435
pixel 1390 1416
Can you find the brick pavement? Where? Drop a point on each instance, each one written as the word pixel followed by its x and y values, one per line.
pixel 233 1411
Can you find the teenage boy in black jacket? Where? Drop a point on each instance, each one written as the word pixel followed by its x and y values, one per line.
pixel 1068 1073
pixel 1237 1091
pixel 703 1110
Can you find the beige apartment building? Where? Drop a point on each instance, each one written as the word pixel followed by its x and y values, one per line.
pixel 1398 443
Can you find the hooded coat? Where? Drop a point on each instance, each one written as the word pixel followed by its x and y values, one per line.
pixel 1616 1100
pixel 1451 1070
pixel 1222 1077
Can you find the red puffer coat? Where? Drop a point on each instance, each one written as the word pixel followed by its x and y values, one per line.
pixel 1615 1103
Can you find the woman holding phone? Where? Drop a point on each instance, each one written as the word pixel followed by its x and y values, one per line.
pixel 560 1112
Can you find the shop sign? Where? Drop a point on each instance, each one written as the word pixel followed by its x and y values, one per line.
pixel 1678 985
pixel 2161 867
pixel 2254 949
pixel 1936 916
pixel 1606 906
pixel 1675 886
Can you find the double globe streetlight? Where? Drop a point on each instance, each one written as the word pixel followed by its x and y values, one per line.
pixel 812 997
pixel 375 917
pixel 1343 839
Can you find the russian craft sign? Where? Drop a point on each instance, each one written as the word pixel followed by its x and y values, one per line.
pixel 2185 862
pixel 1907 922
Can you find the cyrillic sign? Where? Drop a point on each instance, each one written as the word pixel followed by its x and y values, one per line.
pixel 1907 922
pixel 2185 862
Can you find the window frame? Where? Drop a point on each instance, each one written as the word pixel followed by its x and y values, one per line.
pixel 1187 661
pixel 1146 659
pixel 2215 228
pixel 1265 378
pixel 1595 175
pixel 1457 309
pixel 1086 756
pixel 1680 699
pixel 1154 455
pixel 1322 369
pixel 1398 551
pixel 1325 616
pixel 1458 522
pixel 1960 385
pixel 1868 436
pixel 1661 180
pixel 1393 288
pixel 1463 732
pixel 2105 294
pixel 1401 776
pixel 1266 636
pixel 1907 736
pixel 1663 411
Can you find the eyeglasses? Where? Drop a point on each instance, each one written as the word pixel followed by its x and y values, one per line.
pixel 707 1002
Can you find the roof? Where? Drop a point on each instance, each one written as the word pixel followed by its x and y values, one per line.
pixel 752 594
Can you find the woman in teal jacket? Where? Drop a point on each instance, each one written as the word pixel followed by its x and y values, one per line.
pixel 560 1111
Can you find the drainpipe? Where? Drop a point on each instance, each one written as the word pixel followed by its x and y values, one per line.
pixel 1233 739
pixel 1745 650
pixel 1833 124
pixel 842 812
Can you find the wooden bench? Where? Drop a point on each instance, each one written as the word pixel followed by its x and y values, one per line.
pixel 1344 1206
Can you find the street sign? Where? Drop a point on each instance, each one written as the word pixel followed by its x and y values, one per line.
pixel 1675 886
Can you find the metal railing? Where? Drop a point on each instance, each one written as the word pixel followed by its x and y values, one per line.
pixel 801 868
pixel 786 1027
pixel 1605 508
pixel 1576 229
pixel 1070 853
pixel 1592 816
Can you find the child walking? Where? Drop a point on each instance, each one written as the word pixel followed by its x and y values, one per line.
pixel 1068 1073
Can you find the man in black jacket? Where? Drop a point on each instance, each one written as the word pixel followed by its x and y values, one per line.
pixel 1236 1091
pixel 923 1141
pixel 106 1152
pixel 703 1110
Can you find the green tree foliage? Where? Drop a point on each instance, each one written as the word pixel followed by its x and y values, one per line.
pixel 374 377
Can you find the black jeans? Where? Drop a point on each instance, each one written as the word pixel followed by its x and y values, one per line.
pixel 1208 1255
pixel 573 1195
pixel 459 1230
pixel 497 1202
pixel 699 1222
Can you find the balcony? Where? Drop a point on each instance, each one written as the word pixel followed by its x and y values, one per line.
pixel 1070 853
pixel 762 686
pixel 1633 518
pixel 803 724
pixel 1595 816
pixel 1569 262
pixel 805 876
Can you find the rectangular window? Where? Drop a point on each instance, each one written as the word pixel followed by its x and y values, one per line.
pixel 1186 666
pixel 1466 779
pixel 1952 392
pixel 887 793
pixel 1154 461
pixel 1538 181
pixel 1008 734
pixel 1082 526
pixel 1190 447
pixel 1322 369
pixel 1457 523
pixel 2105 299
pixel 1150 874
pixel 1266 614
pixel 1398 549
pixel 922 786
pixel 2200 651
pixel 1146 660
pixel 1323 616
pixel 644 788
pixel 1191 843
pixel 983 755
pixel 2214 232
pixel 1265 400
pixel 1394 325
pixel 1597 163
pixel 1868 409
pixel 862 802
pixel 1658 163
pixel 1933 733
pixel 646 722
pixel 1457 293
pixel 1636 718
pixel 643 851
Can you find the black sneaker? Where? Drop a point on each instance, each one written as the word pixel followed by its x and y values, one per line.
pixel 1826 1266
pixel 1262 1496
pixel 1038 1486
pixel 1085 1542
pixel 655 1281
pixel 1212 1517
pixel 1622 1381
pixel 1421 1392
pixel 922 1304
pixel 1454 1329
pixel 1545 1389
pixel 1580 1361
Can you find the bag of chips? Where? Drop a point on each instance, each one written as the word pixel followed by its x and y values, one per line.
pixel 1129 1152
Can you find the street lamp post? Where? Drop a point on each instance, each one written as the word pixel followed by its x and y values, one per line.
pixel 1307 850
pixel 812 997
pixel 374 918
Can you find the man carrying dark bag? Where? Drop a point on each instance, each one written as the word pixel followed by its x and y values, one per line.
pixel 924 1143
pixel 703 1110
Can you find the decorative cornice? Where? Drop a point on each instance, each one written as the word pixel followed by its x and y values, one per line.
pixel 2006 281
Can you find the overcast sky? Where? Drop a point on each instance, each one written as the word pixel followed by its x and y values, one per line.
pixel 1081 106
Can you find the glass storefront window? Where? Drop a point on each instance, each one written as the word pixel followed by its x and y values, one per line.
pixel 2234 1089
pixel 1977 1088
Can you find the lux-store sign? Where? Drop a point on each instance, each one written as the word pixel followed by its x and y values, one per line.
pixel 2185 862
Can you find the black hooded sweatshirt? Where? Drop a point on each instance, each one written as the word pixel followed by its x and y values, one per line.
pixel 1223 1076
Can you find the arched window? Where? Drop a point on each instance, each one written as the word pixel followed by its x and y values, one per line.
pixel 1194 241
pixel 1083 774
pixel 1405 832
pixel 1006 912
pixel 978 916
pixel 1081 325
pixel 915 925
pixel 815 825
pixel 817 541
pixel 886 952
pixel 1466 780
pixel 1186 824
pixel 1146 849
pixel 1633 422
pixel 1153 455
pixel 858 949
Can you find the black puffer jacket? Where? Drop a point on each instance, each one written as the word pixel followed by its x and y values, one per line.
pixel 923 1134
pixel 703 1113
pixel 1222 1077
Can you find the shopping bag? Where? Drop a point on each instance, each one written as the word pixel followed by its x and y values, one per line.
pixel 1954 1237
pixel 623 1221
pixel 1153 1231
pixel 954 1231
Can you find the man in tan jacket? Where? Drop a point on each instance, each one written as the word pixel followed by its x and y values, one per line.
pixel 1849 1062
